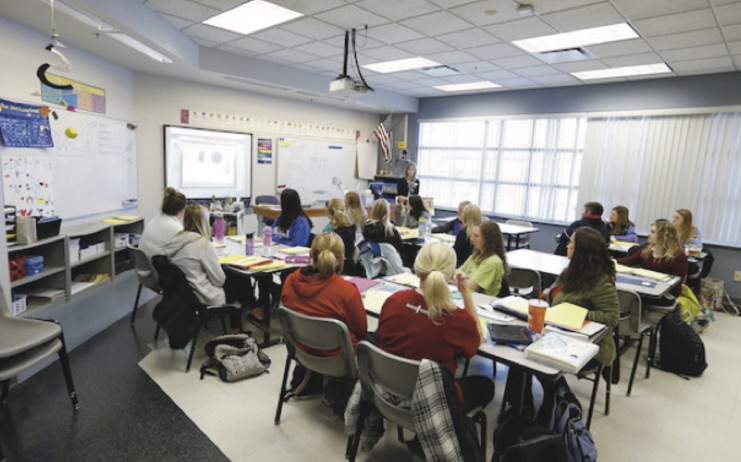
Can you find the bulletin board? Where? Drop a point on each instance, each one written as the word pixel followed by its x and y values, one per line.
pixel 309 165
pixel 94 172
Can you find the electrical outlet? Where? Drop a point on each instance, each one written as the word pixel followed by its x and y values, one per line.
pixel 737 276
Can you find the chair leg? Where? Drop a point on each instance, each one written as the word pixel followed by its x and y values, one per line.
pixel 651 351
pixel 480 418
pixel 136 303
pixel 607 390
pixel 282 395
pixel 365 408
pixel 595 388
pixel 465 367
pixel 635 364
pixel 6 387
pixel 64 361
pixel 194 342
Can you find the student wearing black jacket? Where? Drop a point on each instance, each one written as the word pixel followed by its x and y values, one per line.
pixel 592 218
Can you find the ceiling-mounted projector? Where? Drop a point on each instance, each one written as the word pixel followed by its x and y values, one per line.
pixel 348 87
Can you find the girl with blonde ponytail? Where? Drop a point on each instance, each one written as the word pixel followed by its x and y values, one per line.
pixel 424 323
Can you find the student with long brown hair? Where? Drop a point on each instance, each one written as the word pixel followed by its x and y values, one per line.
pixel 682 220
pixel 487 265
pixel 621 228
pixel 416 212
pixel 160 230
pixel 292 227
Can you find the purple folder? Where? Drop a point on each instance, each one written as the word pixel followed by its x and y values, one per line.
pixel 361 283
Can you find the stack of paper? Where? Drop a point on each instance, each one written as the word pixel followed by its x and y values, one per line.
pixel 44 296
pixel 448 238
pixel 404 279
pixel 243 261
pixel 294 250
pixel 643 272
pixel 562 352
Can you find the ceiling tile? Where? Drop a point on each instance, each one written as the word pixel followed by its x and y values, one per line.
pixel 675 23
pixel 477 66
pixel 451 57
pixel 577 66
pixel 469 38
pixel 556 80
pixel 394 33
pixel 206 43
pixel 703 64
pixel 686 54
pixel 546 7
pixel 350 16
pixel 496 76
pixel 517 62
pixel 211 33
pixel 689 39
pixel 495 51
pixel 438 23
pixel 634 60
pixel 489 12
pixel 313 28
pixel 518 83
pixel 179 23
pixel 280 37
pixel 238 51
pixel 386 53
pixel 292 56
pixel 735 47
pixel 642 9
pixel 599 14
pixel 533 71
pixel 729 14
pixel 307 8
pixel 185 9
pixel 425 46
pixel 255 45
pixel 397 10
pixel 623 47
pixel 732 33
pixel 521 29
pixel 320 49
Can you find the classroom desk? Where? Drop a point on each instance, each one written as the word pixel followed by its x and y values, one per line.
pixel 555 264
pixel 517 231
pixel 272 212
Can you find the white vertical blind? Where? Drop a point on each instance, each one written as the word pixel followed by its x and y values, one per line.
pixel 656 164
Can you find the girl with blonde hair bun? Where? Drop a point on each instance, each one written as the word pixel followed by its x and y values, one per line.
pixel 424 323
pixel 379 229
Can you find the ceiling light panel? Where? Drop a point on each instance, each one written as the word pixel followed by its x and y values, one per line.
pixel 628 71
pixel 577 38
pixel 470 86
pixel 400 65
pixel 252 17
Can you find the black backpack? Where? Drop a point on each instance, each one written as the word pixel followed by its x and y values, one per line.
pixel 681 348
pixel 522 439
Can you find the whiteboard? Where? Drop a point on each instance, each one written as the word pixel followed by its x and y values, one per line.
pixel 308 165
pixel 92 173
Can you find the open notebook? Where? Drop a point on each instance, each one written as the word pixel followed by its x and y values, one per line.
pixel 566 315
pixel 562 351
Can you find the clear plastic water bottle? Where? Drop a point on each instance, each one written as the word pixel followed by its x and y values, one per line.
pixel 267 241
pixel 249 244
pixel 219 228
pixel 424 230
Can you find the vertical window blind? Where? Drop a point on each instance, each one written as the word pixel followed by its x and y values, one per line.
pixel 656 164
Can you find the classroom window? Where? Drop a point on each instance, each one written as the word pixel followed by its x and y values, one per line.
pixel 520 168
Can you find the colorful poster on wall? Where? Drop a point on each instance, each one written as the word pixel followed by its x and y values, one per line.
pixel 24 125
pixel 264 151
pixel 82 96
pixel 27 185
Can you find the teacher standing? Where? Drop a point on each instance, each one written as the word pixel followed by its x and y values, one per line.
pixel 409 185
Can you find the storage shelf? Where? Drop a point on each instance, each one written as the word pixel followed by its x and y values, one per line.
pixel 90 259
pixel 48 271
pixel 93 287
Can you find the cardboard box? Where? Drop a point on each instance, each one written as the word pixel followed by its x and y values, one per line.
pixel 19 304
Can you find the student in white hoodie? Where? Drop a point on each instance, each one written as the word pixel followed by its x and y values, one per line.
pixel 192 252
pixel 164 226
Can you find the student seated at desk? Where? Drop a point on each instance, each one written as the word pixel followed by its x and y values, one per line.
pixel 462 246
pixel 346 231
pixel 452 226
pixel 356 212
pixel 687 234
pixel 192 252
pixel 379 229
pixel 592 218
pixel 163 227
pixel 664 254
pixel 333 206
pixel 424 323
pixel 415 212
pixel 621 228
pixel 487 264
pixel 292 227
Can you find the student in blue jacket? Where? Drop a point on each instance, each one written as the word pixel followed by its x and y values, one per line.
pixel 292 227
pixel 621 228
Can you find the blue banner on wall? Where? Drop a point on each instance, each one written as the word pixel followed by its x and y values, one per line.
pixel 24 125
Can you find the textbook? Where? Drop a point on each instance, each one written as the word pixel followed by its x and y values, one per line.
pixel 243 261
pixel 562 351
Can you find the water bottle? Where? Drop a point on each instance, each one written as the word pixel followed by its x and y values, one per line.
pixel 219 228
pixel 249 244
pixel 423 228
pixel 267 241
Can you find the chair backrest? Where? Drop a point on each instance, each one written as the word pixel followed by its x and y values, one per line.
pixel 525 238
pixel 524 282
pixel 144 270
pixel 267 199
pixel 323 334
pixel 385 373
pixel 630 312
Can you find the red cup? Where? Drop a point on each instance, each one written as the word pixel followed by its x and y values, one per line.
pixel 536 315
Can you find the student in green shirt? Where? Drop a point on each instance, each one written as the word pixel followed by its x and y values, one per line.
pixel 487 264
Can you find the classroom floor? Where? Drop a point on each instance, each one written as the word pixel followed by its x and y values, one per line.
pixel 137 403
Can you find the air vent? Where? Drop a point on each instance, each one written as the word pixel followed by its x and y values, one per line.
pixel 564 56
pixel 439 71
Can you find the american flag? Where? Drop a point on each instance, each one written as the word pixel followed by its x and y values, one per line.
pixel 383 133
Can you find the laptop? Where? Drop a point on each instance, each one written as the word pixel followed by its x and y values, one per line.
pixel 511 334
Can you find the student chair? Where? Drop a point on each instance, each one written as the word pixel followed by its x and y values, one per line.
pixel 180 313
pixel 388 381
pixel 524 282
pixel 330 351
pixel 146 274
pixel 632 326
pixel 524 242
pixel 25 342
pixel 267 200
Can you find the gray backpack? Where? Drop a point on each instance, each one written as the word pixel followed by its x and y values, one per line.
pixel 234 357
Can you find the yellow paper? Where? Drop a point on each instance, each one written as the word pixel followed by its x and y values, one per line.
pixel 243 260
pixel 269 266
pixel 373 300
pixel 566 315
pixel 128 217
pixel 114 221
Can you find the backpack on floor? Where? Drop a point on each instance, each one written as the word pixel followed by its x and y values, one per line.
pixel 563 415
pixel 680 348
pixel 522 439
pixel 234 357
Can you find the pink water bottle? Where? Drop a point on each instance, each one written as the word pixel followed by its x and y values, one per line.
pixel 267 241
pixel 219 228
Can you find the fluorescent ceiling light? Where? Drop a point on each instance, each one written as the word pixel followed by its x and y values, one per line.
pixel 400 65
pixel 252 17
pixel 627 71
pixel 577 38
pixel 140 47
pixel 468 86
pixel 80 16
